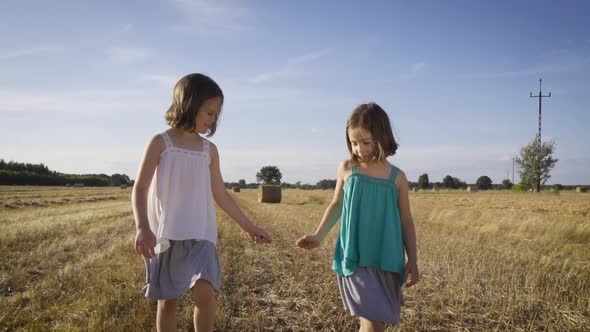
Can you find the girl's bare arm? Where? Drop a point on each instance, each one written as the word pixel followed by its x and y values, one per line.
pixel 331 215
pixel 408 229
pixel 227 203
pixel 145 241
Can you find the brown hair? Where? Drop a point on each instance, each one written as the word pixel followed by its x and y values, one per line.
pixel 372 118
pixel 189 94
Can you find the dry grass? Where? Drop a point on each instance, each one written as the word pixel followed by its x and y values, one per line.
pixel 489 261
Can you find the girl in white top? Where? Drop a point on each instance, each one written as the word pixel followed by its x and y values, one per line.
pixel 177 182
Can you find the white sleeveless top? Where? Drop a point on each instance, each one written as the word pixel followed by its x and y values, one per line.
pixel 180 201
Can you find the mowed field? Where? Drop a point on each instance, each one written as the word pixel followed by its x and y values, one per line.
pixel 490 261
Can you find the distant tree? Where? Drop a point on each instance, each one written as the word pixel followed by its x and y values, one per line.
pixel 15 173
pixel 519 187
pixel 448 182
pixel 460 183
pixel 326 184
pixel 484 183
pixel 453 182
pixel 536 161
pixel 119 179
pixel 242 183
pixel 423 182
pixel 269 175
pixel 506 184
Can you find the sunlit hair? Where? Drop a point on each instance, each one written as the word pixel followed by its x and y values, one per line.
pixel 372 118
pixel 189 94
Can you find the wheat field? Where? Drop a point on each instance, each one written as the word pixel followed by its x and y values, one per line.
pixel 489 261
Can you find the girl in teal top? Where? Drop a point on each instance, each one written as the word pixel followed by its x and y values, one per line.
pixel 377 231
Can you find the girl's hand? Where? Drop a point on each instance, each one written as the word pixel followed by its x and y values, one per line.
pixel 308 242
pixel 412 271
pixel 259 235
pixel 145 243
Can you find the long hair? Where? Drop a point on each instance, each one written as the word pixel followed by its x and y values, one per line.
pixel 372 118
pixel 187 98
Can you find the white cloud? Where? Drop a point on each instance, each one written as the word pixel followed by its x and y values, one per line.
pixel 125 55
pixel 167 81
pixel 126 28
pixel 85 101
pixel 302 59
pixel 244 95
pixel 30 51
pixel 412 73
pixel 208 16
pixel 536 71
pixel 292 66
pixel 554 53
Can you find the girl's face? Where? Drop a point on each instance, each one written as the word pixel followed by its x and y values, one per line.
pixel 362 143
pixel 208 114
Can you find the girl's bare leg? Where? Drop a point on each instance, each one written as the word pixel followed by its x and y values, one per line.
pixel 166 316
pixel 203 295
pixel 371 326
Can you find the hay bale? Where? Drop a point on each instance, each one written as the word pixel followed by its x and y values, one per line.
pixel 414 189
pixel 269 193
pixel 581 189
pixel 471 189
pixel 236 189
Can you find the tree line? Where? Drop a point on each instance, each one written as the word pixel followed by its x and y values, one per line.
pixel 272 175
pixel 16 173
pixel 535 160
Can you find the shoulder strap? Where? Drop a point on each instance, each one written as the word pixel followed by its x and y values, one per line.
pixel 205 146
pixel 355 169
pixel 167 140
pixel 393 173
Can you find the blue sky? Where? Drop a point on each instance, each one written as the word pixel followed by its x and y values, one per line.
pixel 85 84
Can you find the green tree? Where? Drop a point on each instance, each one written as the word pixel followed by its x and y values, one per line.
pixel 269 175
pixel 536 161
pixel 484 183
pixel 242 183
pixel 423 182
pixel 326 184
pixel 506 184
pixel 119 179
pixel 453 182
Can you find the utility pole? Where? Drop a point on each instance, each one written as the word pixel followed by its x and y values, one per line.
pixel 513 168
pixel 540 96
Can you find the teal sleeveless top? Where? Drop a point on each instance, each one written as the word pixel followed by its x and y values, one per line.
pixel 370 232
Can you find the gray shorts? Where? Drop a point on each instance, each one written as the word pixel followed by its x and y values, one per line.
pixel 373 294
pixel 173 272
